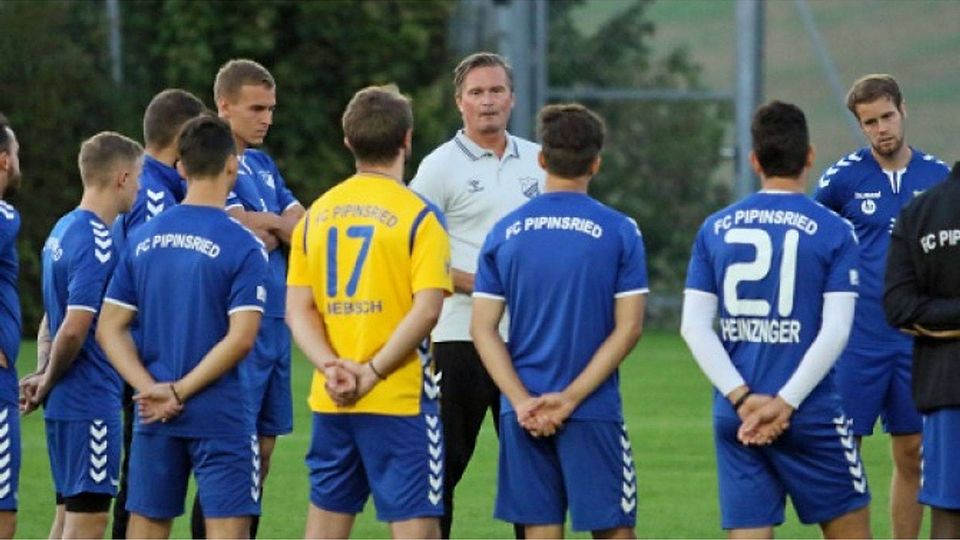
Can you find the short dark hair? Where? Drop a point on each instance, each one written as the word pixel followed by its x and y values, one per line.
pixel 238 73
pixel 100 154
pixel 166 114
pixel 206 143
pixel 572 138
pixel 5 130
pixel 870 88
pixel 479 60
pixel 376 122
pixel 781 140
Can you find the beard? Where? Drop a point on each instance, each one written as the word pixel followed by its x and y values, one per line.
pixel 890 149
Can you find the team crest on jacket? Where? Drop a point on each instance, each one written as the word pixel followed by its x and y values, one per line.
pixel 529 186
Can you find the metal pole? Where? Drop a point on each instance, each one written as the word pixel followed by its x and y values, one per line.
pixel 515 21
pixel 749 29
pixel 116 61
pixel 541 41
pixel 827 63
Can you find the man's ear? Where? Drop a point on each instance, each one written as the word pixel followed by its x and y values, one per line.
pixel 755 164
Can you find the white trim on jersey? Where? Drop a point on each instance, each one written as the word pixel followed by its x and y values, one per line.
pixel 487 295
pixel 232 206
pixel 291 205
pixel 838 308
pixel 245 308
pixel 696 327
pixel 80 307
pixel 116 302
pixel 631 292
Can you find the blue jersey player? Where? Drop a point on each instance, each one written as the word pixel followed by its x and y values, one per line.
pixel 161 188
pixel 193 277
pixel 80 390
pixel 782 272
pixel 572 273
pixel 245 93
pixel 869 187
pixel 10 330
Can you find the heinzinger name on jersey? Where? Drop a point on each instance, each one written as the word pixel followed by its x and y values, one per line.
pixel 750 321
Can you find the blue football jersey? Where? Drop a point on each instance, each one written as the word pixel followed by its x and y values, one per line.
pixel 857 188
pixel 10 323
pixel 261 188
pixel 161 187
pixel 559 261
pixel 769 259
pixel 185 272
pixel 78 260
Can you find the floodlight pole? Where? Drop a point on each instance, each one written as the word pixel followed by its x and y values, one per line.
pixel 749 87
pixel 116 61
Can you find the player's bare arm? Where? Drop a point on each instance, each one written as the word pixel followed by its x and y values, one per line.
pixel 412 330
pixel 44 342
pixel 66 345
pixel 263 224
pixel 462 281
pixel 227 353
pixel 628 326
pixel 306 326
pixel 113 335
pixel 288 220
pixel 484 329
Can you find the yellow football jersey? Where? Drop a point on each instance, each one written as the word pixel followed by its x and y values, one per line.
pixel 365 247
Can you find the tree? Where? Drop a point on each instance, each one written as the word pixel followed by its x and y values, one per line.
pixel 56 89
pixel 661 160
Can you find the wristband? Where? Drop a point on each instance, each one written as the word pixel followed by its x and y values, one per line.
pixel 739 403
pixel 176 396
pixel 375 372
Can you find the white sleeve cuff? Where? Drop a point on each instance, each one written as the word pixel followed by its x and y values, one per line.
pixel 837 319
pixel 696 327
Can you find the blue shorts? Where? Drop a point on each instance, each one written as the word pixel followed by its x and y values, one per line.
pixel 85 455
pixel 399 459
pixel 875 384
pixel 939 481
pixel 266 373
pixel 586 467
pixel 816 464
pixel 227 470
pixel 9 457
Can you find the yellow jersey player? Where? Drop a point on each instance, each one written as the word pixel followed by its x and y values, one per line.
pixel 369 268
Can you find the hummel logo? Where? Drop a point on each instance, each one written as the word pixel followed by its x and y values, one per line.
pixel 102 256
pixel 155 196
pixel 98 476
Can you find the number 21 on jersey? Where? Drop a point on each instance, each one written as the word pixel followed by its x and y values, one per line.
pixel 757 270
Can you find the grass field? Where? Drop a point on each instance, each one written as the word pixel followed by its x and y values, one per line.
pixel 667 406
